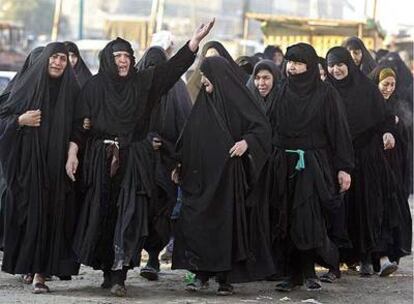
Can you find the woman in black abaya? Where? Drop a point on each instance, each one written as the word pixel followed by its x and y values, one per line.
pixel 117 166
pixel 386 79
pixel 311 161
pixel 167 120
pixel 36 122
pixel 361 56
pixel 375 207
pixel 81 70
pixel 224 146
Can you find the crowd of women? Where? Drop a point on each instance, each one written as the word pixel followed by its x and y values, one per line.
pixel 255 169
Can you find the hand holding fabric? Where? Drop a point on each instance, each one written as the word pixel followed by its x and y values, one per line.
pixel 389 141
pixel 344 180
pixel 201 32
pixel 30 118
pixel 239 148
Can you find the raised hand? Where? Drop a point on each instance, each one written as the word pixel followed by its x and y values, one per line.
pixel 200 33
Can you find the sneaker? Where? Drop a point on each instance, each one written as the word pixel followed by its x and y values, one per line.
pixel 196 285
pixel 366 270
pixel 387 269
pixel 313 284
pixel 286 286
pixel 119 291
pixel 225 290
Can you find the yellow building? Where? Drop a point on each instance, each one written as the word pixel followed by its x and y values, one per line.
pixel 321 33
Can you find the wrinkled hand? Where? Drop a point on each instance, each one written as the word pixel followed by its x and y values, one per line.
pixel 30 118
pixel 156 143
pixel 389 141
pixel 239 148
pixel 344 181
pixel 72 161
pixel 71 166
pixel 175 175
pixel 201 32
pixel 87 124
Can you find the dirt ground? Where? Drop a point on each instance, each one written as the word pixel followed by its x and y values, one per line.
pixel 396 289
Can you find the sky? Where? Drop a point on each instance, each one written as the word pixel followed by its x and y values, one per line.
pixel 391 13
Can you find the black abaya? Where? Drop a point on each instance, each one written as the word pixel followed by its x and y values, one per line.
pixel 311 143
pixel 119 108
pixel 375 206
pixel 213 232
pixel 38 221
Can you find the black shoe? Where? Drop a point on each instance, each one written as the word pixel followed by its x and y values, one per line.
pixel 225 290
pixel 150 273
pixel 286 286
pixel 328 277
pixel 366 270
pixel 313 284
pixel 107 282
pixel 65 278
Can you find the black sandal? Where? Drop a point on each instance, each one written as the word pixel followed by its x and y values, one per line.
pixel 40 288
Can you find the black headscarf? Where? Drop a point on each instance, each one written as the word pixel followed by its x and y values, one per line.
pixel 115 104
pixel 367 62
pixel 301 95
pixel 81 70
pixel 303 84
pixel 380 54
pixel 362 99
pixel 247 63
pixel 267 101
pixel 270 51
pixel 194 83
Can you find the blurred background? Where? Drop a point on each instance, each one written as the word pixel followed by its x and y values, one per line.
pixel 243 26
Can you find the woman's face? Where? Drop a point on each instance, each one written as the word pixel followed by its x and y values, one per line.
pixel 322 72
pixel 387 87
pixel 208 86
pixel 211 52
pixel 73 59
pixel 295 67
pixel 263 82
pixel 356 56
pixel 339 70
